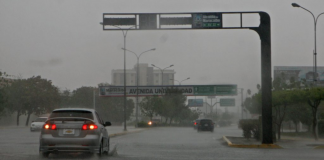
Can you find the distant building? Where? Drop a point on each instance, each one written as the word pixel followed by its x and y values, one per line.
pixel 148 76
pixel 299 73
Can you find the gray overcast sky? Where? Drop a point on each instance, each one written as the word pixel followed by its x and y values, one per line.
pixel 62 40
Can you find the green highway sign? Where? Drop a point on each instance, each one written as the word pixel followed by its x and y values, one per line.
pixel 227 102
pixel 204 90
pixel 226 90
pixel 215 90
pixel 195 102
pixel 207 20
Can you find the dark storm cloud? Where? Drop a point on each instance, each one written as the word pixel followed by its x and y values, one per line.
pixel 46 63
pixel 164 38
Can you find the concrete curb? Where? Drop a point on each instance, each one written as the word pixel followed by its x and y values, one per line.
pixel 125 132
pixel 270 146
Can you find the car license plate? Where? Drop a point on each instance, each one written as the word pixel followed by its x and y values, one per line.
pixel 68 131
pixel 206 124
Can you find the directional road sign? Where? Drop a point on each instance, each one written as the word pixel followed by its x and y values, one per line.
pixel 227 102
pixel 187 90
pixel 195 102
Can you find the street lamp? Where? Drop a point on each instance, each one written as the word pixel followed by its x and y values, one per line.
pixel 124 30
pixel 137 78
pixel 162 70
pixel 315 48
pixel 94 98
pixel 242 103
pixel 180 81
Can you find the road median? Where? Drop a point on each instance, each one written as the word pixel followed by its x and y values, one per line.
pixel 240 142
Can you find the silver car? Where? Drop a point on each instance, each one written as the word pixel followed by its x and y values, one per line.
pixel 74 130
pixel 37 124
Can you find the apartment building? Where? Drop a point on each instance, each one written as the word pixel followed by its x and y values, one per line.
pixel 148 76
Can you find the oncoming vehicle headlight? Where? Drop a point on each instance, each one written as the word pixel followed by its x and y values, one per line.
pixel 149 123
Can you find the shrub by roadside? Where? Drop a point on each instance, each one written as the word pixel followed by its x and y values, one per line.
pixel 142 124
pixel 251 128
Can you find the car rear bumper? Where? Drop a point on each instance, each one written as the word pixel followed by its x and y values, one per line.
pixel 206 128
pixel 69 148
pixel 89 143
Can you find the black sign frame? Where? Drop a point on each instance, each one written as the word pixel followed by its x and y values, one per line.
pixel 264 32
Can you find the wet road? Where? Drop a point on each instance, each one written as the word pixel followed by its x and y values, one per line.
pixel 186 143
pixel 156 143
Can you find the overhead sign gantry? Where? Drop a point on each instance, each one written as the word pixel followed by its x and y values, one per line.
pixel 207 20
pixel 149 21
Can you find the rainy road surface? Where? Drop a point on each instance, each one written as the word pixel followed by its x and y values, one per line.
pixel 157 143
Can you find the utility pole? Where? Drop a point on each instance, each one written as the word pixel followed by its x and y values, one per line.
pixel 242 103
pixel 94 99
pixel 137 80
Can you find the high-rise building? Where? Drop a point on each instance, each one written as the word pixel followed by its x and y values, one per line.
pixel 148 76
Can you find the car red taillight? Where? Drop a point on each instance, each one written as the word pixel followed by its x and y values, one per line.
pixel 50 126
pixel 89 127
pixel 195 123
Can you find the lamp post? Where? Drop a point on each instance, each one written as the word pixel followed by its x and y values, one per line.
pixel 162 70
pixel 315 47
pixel 242 104
pixel 94 99
pixel 315 51
pixel 180 81
pixel 124 35
pixel 137 78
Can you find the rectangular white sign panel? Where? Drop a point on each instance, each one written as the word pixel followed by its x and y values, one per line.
pixel 142 90
pixel 187 90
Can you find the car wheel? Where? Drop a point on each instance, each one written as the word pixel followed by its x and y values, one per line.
pixel 44 154
pixel 108 146
pixel 101 151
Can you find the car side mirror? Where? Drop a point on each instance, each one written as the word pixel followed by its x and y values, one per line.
pixel 107 124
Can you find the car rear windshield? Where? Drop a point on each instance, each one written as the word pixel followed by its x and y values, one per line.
pixel 40 119
pixel 71 113
pixel 205 121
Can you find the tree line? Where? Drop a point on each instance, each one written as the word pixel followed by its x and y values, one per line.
pixel 294 101
pixel 38 96
pixel 171 106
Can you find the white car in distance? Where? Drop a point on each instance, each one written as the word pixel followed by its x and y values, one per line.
pixel 37 124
